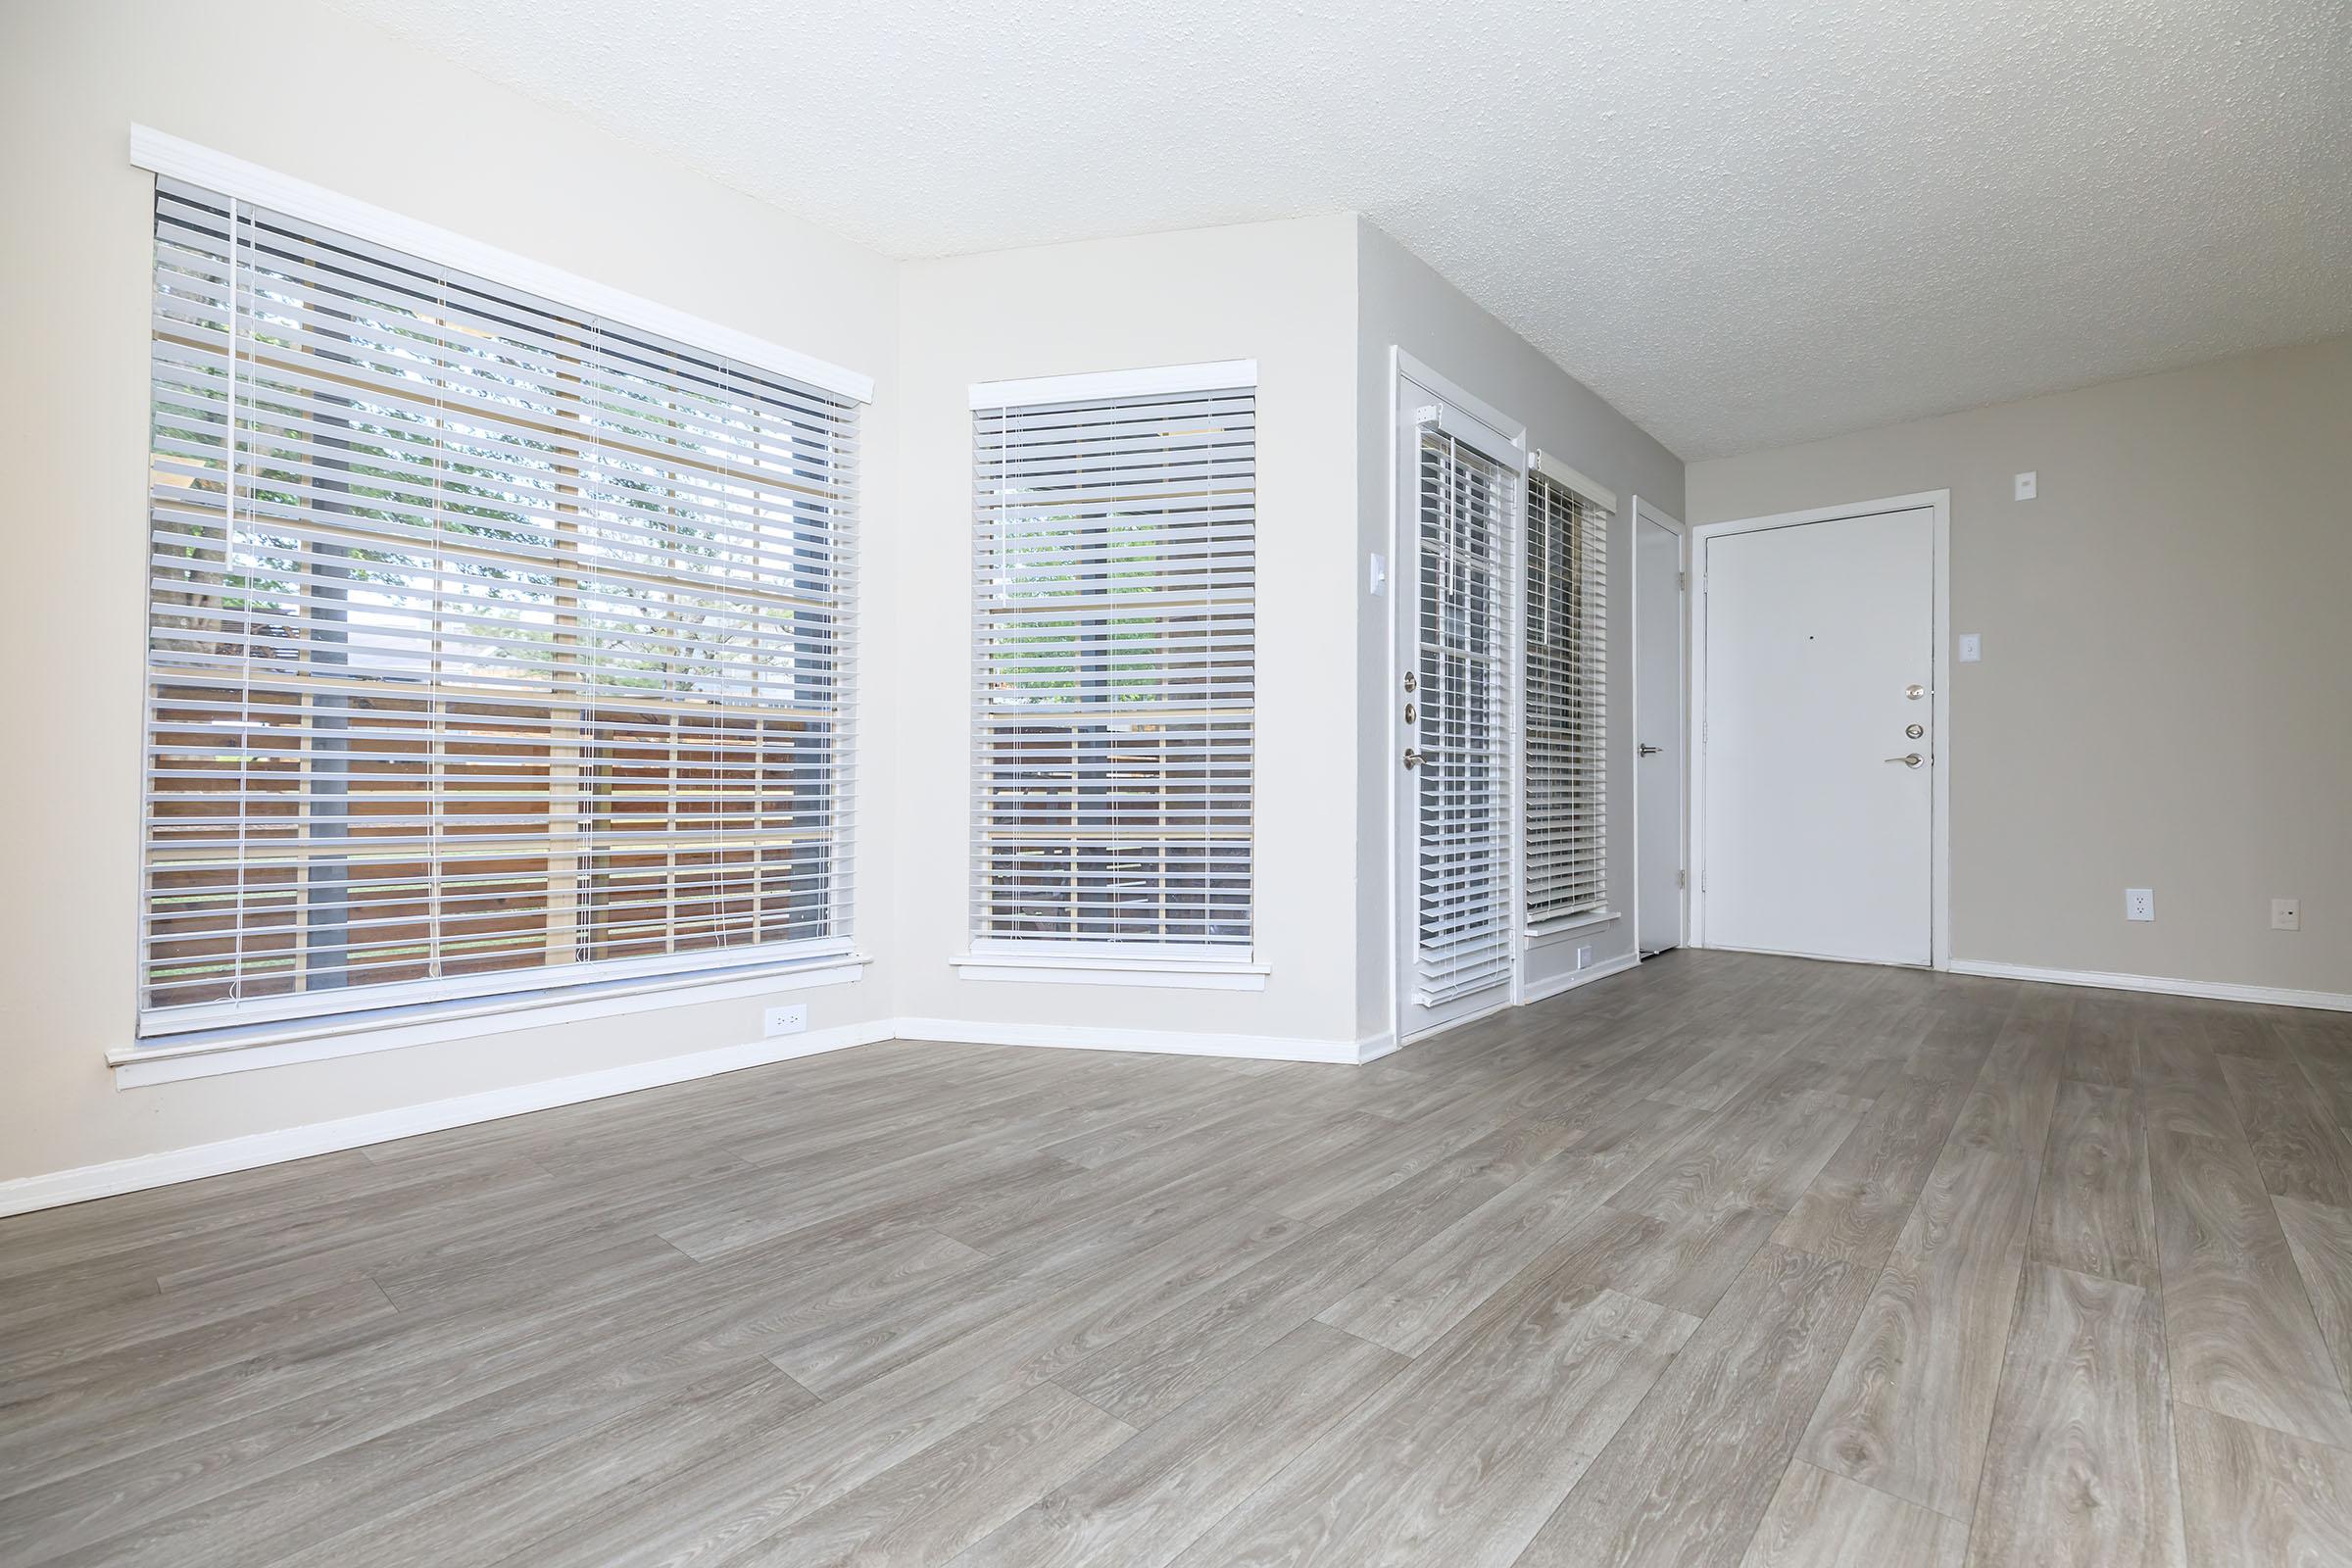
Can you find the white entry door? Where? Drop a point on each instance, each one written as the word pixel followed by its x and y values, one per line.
pixel 1658 727
pixel 1459 492
pixel 1819 732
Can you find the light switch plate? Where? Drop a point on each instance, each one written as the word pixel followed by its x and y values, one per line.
pixel 2286 914
pixel 2139 904
pixel 2029 484
pixel 1972 647
pixel 1376 575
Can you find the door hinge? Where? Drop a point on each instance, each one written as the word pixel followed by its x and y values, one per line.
pixel 1682 879
pixel 1682 580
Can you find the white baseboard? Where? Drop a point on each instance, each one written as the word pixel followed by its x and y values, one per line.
pixel 2218 990
pixel 1161 1041
pixel 1578 977
pixel 171 1165
pixel 163 1169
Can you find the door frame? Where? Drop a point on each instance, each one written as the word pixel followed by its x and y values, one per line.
pixel 1939 753
pixel 1403 592
pixel 1640 510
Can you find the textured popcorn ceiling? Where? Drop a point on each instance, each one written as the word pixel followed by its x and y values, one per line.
pixel 1744 224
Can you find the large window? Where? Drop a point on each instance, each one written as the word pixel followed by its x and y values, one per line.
pixel 1115 667
pixel 492 645
pixel 1566 872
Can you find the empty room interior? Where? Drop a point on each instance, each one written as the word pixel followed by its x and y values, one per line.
pixel 1031 784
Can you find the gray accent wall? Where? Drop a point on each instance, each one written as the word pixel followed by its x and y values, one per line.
pixel 2165 698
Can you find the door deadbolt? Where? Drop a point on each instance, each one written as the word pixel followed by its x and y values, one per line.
pixel 1910 731
pixel 1915 692
pixel 1412 714
pixel 1412 682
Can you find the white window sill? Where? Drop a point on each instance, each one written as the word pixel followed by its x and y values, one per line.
pixel 1561 930
pixel 1119 970
pixel 246 1048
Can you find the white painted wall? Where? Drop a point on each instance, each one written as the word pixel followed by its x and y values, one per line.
pixel 1280 293
pixel 1315 300
pixel 2167 668
pixel 1403 302
pixel 277 82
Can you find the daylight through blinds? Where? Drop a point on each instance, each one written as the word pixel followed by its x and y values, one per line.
pixel 490 645
pixel 1115 710
pixel 1462 887
pixel 1566 778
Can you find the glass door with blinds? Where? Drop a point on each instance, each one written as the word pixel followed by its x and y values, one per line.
pixel 1460 489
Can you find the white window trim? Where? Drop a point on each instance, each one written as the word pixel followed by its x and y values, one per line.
pixel 250 1047
pixel 170 1045
pixel 160 154
pixel 1547 932
pixel 1100 965
pixel 1193 966
pixel 1221 376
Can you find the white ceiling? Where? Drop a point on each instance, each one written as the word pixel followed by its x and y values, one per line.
pixel 1744 223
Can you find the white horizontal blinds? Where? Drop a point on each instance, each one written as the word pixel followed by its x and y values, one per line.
pixel 500 648
pixel 1462 879
pixel 1116 618
pixel 1567 598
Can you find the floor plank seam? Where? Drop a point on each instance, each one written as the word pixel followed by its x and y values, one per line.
pixel 2266 1426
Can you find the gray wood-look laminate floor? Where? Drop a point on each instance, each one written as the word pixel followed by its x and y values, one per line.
pixel 1731 1260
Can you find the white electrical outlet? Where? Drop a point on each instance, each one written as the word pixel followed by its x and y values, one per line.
pixel 789 1019
pixel 1584 957
pixel 2286 914
pixel 2139 904
pixel 2029 484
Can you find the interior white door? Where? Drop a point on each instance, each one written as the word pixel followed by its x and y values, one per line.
pixel 1658 729
pixel 1820 729
pixel 1455 934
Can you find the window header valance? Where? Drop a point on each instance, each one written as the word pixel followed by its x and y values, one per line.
pixel 176 159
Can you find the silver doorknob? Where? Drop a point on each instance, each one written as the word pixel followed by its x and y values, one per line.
pixel 1644 749
pixel 1908 759
pixel 1412 757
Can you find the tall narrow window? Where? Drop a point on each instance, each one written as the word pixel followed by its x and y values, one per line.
pixel 490 645
pixel 1566 871
pixel 1115 698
